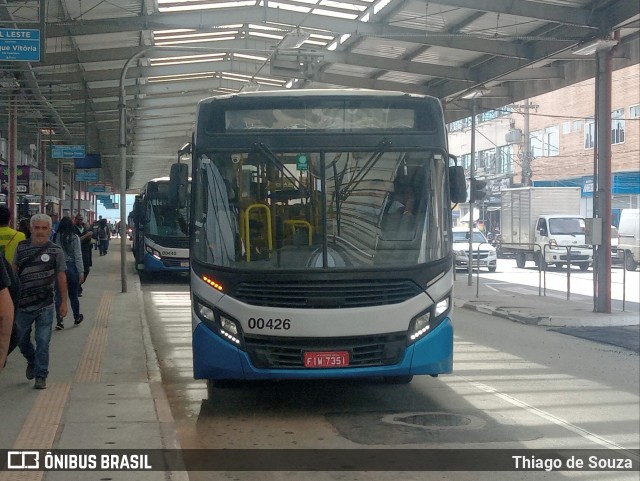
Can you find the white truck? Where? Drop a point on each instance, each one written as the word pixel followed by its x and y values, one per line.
pixel 544 219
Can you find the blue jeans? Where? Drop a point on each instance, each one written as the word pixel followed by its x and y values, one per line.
pixel 73 287
pixel 104 245
pixel 38 356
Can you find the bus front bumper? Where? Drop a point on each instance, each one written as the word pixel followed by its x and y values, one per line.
pixel 154 264
pixel 216 359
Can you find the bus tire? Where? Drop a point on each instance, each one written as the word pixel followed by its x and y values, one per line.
pixel 144 276
pixel 584 266
pixel 215 384
pixel 630 263
pixel 521 260
pixel 398 379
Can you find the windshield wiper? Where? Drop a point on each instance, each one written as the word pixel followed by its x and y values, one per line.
pixel 371 161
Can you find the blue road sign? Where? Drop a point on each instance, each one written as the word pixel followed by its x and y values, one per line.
pixel 20 45
pixel 67 151
pixel 86 176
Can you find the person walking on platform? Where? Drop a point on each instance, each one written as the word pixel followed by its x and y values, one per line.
pixel 68 240
pixel 40 264
pixel 85 234
pixel 9 238
pixel 104 234
pixel 55 222
pixel 23 226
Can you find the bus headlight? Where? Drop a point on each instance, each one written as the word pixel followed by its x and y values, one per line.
pixel 424 322
pixel 153 252
pixel 224 326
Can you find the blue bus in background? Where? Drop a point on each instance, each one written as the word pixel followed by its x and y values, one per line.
pixel 159 230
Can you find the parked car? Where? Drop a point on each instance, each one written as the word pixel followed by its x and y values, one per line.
pixel 629 237
pixel 484 257
pixel 617 256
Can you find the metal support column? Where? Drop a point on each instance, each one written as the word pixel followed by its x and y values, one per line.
pixel 602 268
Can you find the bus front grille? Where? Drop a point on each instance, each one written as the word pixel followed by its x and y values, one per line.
pixel 175 262
pixel 334 294
pixel 288 353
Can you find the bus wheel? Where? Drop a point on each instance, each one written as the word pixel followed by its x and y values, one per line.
pixel 584 266
pixel 398 379
pixel 520 260
pixel 144 276
pixel 629 262
pixel 214 384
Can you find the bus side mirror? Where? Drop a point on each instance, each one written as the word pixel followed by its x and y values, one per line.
pixel 457 184
pixel 178 184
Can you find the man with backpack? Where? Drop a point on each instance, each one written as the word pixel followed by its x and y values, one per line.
pixel 104 234
pixel 40 264
pixel 9 240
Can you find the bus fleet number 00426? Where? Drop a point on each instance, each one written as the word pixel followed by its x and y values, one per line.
pixel 271 324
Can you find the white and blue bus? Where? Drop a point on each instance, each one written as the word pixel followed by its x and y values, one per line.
pixel 321 236
pixel 160 230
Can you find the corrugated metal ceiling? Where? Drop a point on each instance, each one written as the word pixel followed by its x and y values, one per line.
pixel 441 48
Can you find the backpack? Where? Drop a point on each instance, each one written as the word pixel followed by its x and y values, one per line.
pixel 102 232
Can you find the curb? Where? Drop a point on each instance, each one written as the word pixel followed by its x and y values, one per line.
pixel 498 312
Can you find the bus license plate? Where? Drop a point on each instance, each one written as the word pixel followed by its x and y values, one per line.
pixel 326 359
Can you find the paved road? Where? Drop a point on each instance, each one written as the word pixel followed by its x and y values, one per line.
pixel 514 386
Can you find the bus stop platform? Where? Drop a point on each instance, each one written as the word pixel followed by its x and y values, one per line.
pixel 104 389
pixel 528 305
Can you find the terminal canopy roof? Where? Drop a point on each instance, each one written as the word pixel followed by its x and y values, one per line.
pixel 180 51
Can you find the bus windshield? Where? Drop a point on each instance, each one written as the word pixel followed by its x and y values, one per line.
pixel 166 221
pixel 268 209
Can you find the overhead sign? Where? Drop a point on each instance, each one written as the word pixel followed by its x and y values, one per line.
pixel 23 173
pixel 67 151
pixel 86 176
pixel 20 45
pixel 91 161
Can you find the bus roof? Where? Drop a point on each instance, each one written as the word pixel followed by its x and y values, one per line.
pixel 316 93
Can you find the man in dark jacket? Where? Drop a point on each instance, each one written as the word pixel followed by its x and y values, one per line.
pixel 85 234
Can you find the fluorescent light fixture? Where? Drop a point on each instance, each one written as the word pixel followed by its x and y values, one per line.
pixel 294 39
pixel 589 48
pixel 475 93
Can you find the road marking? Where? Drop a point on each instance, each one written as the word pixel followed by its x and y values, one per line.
pixel 492 288
pixel 550 417
pixel 40 428
pixel 90 364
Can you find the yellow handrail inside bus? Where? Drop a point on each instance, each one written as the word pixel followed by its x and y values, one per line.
pixel 301 223
pixel 247 231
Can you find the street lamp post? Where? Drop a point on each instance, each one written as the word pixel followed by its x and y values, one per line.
pixel 123 167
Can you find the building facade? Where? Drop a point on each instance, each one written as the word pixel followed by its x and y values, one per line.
pixel 560 127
